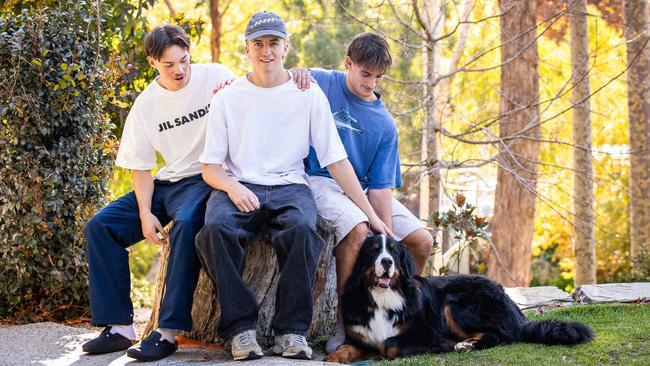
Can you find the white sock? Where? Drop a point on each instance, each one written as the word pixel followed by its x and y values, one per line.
pixel 126 331
pixel 167 334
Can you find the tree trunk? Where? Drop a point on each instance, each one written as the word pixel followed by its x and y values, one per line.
pixel 215 35
pixel 583 200
pixel 443 105
pixel 430 178
pixel 637 36
pixel 261 275
pixel 170 6
pixel 514 211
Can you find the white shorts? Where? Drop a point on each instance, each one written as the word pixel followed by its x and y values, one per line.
pixel 335 207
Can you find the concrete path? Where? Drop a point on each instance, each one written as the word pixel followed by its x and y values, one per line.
pixel 57 344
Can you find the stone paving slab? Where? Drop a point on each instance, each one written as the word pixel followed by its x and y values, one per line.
pixel 613 292
pixel 532 297
pixel 57 344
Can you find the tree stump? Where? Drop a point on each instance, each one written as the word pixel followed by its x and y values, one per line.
pixel 261 274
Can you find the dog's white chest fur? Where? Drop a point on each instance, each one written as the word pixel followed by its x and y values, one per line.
pixel 381 326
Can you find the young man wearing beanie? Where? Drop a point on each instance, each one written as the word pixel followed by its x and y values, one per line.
pixel 168 117
pixel 262 127
pixel 369 135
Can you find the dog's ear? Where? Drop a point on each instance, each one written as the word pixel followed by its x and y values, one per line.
pixel 409 283
pixel 406 261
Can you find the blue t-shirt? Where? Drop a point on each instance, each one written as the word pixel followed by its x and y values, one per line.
pixel 367 131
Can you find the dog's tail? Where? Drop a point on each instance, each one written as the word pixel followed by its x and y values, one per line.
pixel 553 332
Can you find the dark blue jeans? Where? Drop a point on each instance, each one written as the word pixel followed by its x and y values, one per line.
pixel 289 212
pixel 118 226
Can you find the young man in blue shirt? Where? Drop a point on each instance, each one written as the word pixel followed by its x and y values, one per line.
pixel 369 135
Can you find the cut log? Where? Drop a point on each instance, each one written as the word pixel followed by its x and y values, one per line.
pixel 261 274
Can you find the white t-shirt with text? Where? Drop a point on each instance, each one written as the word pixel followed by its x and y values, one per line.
pixel 171 123
pixel 263 134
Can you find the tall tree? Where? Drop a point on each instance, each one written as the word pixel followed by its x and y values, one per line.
pixel 583 201
pixel 431 20
pixel 637 35
pixel 513 219
pixel 216 17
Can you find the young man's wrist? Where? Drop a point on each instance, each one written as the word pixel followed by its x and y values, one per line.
pixel 230 185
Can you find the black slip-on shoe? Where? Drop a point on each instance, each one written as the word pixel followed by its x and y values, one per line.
pixel 152 348
pixel 107 342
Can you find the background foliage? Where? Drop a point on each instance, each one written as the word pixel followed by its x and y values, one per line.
pixel 55 155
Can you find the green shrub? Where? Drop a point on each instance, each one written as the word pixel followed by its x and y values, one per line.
pixel 55 158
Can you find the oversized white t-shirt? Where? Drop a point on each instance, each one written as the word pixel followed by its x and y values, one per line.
pixel 263 134
pixel 172 123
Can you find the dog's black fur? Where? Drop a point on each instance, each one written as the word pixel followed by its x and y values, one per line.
pixel 439 314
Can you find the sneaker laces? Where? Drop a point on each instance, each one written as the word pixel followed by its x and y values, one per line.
pixel 296 340
pixel 246 338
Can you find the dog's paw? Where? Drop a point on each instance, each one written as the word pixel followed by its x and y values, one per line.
pixel 463 347
pixel 345 354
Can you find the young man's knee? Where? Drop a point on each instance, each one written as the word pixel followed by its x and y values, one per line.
pixel 419 243
pixel 192 222
pixel 211 229
pixel 355 238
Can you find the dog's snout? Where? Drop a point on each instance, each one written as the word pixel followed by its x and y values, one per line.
pixel 386 263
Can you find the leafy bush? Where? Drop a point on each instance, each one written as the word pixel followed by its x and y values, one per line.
pixel 56 153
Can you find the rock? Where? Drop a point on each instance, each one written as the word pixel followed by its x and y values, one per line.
pixel 612 292
pixel 532 297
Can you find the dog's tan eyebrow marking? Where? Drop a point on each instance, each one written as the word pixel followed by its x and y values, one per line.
pixel 391 245
pixel 375 247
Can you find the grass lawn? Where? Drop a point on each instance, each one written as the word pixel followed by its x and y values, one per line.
pixel 622 338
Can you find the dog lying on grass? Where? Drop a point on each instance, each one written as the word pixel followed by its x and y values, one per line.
pixel 388 309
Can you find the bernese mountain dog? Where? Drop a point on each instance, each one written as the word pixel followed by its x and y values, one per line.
pixel 387 308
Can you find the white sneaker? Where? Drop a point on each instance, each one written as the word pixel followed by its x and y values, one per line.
pixel 336 340
pixel 244 346
pixel 292 346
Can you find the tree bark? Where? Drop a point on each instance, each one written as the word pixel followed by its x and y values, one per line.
pixel 430 177
pixel 261 275
pixel 443 105
pixel 513 220
pixel 172 11
pixel 215 35
pixel 637 36
pixel 583 200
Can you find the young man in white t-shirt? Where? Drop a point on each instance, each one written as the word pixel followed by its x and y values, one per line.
pixel 168 117
pixel 261 127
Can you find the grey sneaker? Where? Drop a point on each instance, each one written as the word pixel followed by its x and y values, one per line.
pixel 245 347
pixel 336 340
pixel 292 346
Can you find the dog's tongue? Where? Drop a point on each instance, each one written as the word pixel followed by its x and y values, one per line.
pixel 384 281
